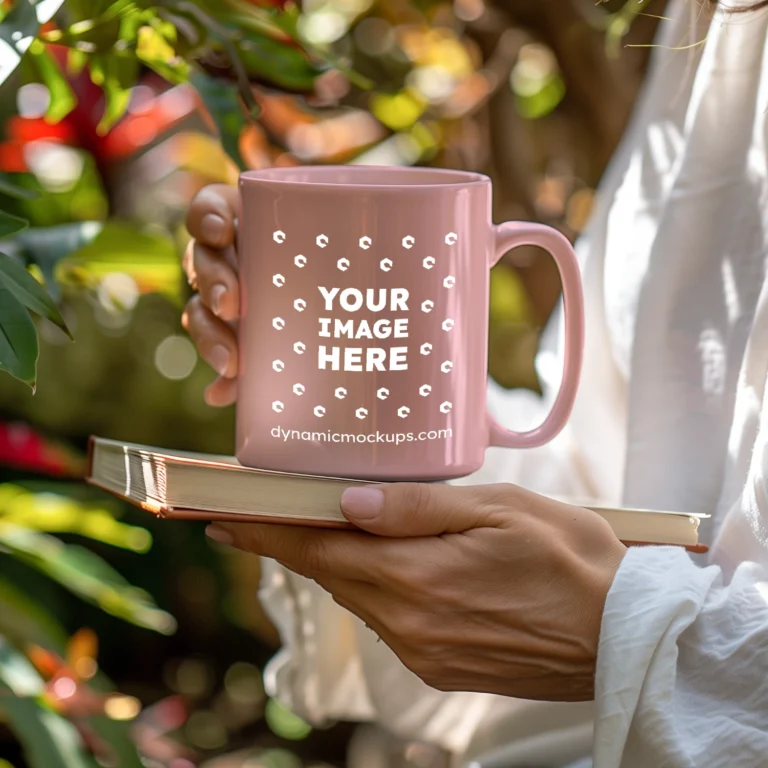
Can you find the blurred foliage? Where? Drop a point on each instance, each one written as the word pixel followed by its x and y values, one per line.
pixel 114 113
pixel 114 41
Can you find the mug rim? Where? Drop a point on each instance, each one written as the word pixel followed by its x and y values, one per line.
pixel 433 178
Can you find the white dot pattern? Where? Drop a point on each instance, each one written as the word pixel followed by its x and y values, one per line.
pixel 343 264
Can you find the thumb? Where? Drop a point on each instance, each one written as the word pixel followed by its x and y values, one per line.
pixel 414 509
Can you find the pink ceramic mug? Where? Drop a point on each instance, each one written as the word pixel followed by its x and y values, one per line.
pixel 364 322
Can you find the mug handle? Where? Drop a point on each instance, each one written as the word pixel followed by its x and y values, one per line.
pixel 510 235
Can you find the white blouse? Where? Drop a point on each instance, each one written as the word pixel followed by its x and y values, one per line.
pixel 670 415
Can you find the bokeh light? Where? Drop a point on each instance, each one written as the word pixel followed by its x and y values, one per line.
pixel 284 723
pixel 205 730
pixel 32 100
pixel 175 357
pixel 243 684
pixel 121 707
pixel 57 167
pixel 118 291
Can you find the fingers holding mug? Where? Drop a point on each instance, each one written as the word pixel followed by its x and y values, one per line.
pixel 217 344
pixel 212 215
pixel 209 273
pixel 221 392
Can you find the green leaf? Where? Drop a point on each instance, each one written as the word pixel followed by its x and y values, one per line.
pixel 244 15
pixel 130 24
pixel 245 18
pixel 9 188
pixel 80 10
pixel 76 61
pixel 63 99
pixel 86 575
pixel 116 75
pixel 280 63
pixel 92 24
pixel 17 673
pixel 118 736
pixel 24 620
pixel 56 513
pixel 46 246
pixel 155 47
pixel 150 259
pixel 188 32
pixel 29 292
pixel 222 101
pixel 49 741
pixel 10 224
pixel 17 31
pixel 18 339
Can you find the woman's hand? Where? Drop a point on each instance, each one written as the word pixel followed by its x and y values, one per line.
pixel 210 264
pixel 489 588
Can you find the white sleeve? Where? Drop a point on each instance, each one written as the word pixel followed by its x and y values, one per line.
pixel 682 676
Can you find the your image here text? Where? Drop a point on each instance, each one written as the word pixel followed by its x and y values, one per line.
pixel 351 300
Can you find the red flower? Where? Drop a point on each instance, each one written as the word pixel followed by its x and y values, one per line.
pixel 23 448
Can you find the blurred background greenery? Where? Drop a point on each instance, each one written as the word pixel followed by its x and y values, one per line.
pixel 113 113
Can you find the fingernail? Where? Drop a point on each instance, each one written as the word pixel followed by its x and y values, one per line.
pixel 217 533
pixel 208 395
pixel 362 503
pixel 217 294
pixel 218 358
pixel 212 228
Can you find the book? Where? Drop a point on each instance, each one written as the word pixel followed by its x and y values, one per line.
pixel 194 486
